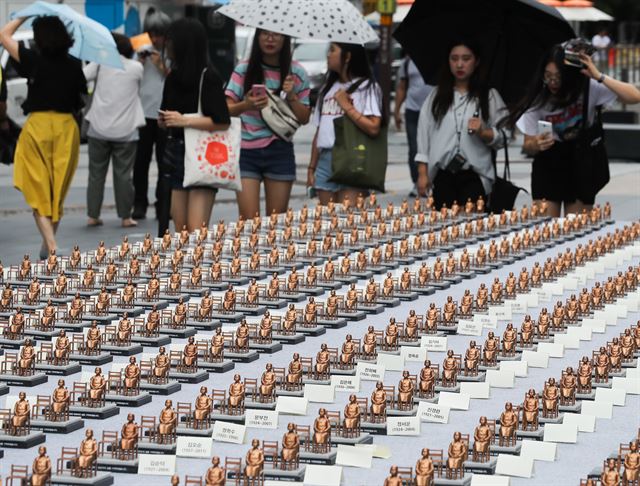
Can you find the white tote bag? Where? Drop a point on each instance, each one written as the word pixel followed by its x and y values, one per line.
pixel 212 159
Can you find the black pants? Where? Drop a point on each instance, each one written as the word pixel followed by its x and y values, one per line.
pixel 149 135
pixel 411 122
pixel 449 187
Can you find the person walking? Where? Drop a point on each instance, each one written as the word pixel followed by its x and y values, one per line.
pixel 602 42
pixel 48 148
pixel 191 82
pixel 114 118
pixel 350 90
pixel 457 131
pixel 264 156
pixel 557 96
pixel 411 91
pixel 156 24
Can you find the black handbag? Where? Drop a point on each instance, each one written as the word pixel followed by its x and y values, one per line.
pixel 9 142
pixel 590 163
pixel 504 192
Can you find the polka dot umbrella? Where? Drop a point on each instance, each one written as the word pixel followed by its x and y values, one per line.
pixel 332 20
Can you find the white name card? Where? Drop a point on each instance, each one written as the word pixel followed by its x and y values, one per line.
pixel 292 405
pixel 532 299
pixel 566 433
pixel 316 475
pixel 585 423
pixel 380 451
pixel 569 283
pixel 489 480
pixel 555 288
pixel 488 322
pixel 354 456
pixel 583 333
pixel 469 328
pixel 621 309
pixel 391 362
pixel 539 450
pixel 517 306
pixel 617 396
pixel 631 385
pixel 544 293
pixel 608 315
pixel 596 325
pixel 568 341
pixel 554 350
pixel 413 354
pixel 319 393
pixel 156 465
pixel 346 383
pixel 455 401
pixel 370 372
pixel 501 312
pixel 403 426
pixel 431 412
pixel 261 419
pixel 517 466
pixel 434 343
pixel 228 432
pixel 501 378
pixel 597 408
pixel 480 390
pixel 199 447
pixel 519 368
pixel 535 359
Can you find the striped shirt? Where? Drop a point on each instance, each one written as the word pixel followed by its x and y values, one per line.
pixel 255 133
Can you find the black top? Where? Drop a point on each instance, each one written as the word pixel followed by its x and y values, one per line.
pixel 55 83
pixel 3 87
pixel 177 97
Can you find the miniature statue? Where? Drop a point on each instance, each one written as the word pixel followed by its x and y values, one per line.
pixel 87 456
pixel 41 468
pixel 458 453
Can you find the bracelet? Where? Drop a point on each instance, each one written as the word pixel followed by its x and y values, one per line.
pixel 312 168
pixel 601 78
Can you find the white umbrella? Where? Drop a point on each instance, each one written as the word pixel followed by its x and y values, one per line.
pixel 584 14
pixel 332 20
pixel 401 12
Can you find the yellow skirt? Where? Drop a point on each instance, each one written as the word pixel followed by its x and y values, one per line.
pixel 45 161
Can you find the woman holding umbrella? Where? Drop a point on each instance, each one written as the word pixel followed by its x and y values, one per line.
pixel 557 96
pixel 48 148
pixel 457 130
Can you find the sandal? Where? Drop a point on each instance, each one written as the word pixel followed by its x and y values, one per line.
pixel 129 223
pixel 92 222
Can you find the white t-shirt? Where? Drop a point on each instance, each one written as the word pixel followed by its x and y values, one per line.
pixel 116 110
pixel 151 90
pixel 567 121
pixel 418 89
pixel 366 100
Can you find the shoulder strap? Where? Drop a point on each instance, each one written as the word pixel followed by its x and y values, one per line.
pixel 585 108
pixel 406 72
pixel 200 91
pixel 355 85
pixel 506 173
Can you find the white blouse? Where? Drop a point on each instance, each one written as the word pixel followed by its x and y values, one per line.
pixel 438 143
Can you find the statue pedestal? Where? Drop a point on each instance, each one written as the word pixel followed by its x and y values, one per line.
pixel 100 479
pixel 172 298
pixel 130 350
pixel 65 427
pixel 153 448
pixel 129 401
pixel 136 310
pixel 181 377
pixel 406 296
pixel 4 389
pixel 99 413
pixel 372 308
pixel 101 319
pixel 179 332
pixel 39 335
pixel 110 464
pixel 204 325
pixel 24 381
pixel 317 330
pixel 390 301
pixel 295 338
pixel 463 481
pixel 92 360
pixel 59 370
pixel 339 323
pixel 480 377
pixel 161 389
pixel 241 357
pixel 311 291
pixel 251 310
pixel 222 367
pixel 28 441
pixel 228 317
pixel 258 405
pixel 268 348
pixel 12 343
pixel 153 342
pixel 363 438
pixel 325 458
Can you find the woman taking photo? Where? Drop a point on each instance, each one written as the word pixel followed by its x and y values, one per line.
pixel 456 131
pixel 48 148
pixel 557 96
pixel 264 156
pixel 350 90
pixel 187 51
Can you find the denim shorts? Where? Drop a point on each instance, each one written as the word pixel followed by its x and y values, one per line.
pixel 324 173
pixel 173 165
pixel 276 161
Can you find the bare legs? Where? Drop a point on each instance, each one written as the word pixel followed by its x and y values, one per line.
pixel 48 231
pixel 277 194
pixel 339 196
pixel 554 208
pixel 191 208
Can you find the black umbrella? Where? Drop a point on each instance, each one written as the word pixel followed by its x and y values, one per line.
pixel 514 35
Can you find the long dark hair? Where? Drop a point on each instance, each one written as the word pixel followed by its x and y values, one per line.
pixel 572 87
pixel 478 89
pixel 358 67
pixel 51 36
pixel 188 48
pixel 255 73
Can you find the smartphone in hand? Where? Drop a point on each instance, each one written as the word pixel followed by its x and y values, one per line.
pixel 545 128
pixel 259 90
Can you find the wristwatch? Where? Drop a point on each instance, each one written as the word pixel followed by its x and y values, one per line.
pixel 601 78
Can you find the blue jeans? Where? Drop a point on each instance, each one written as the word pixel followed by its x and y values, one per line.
pixel 276 161
pixel 324 173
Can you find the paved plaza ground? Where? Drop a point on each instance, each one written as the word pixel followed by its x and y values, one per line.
pixel 18 234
